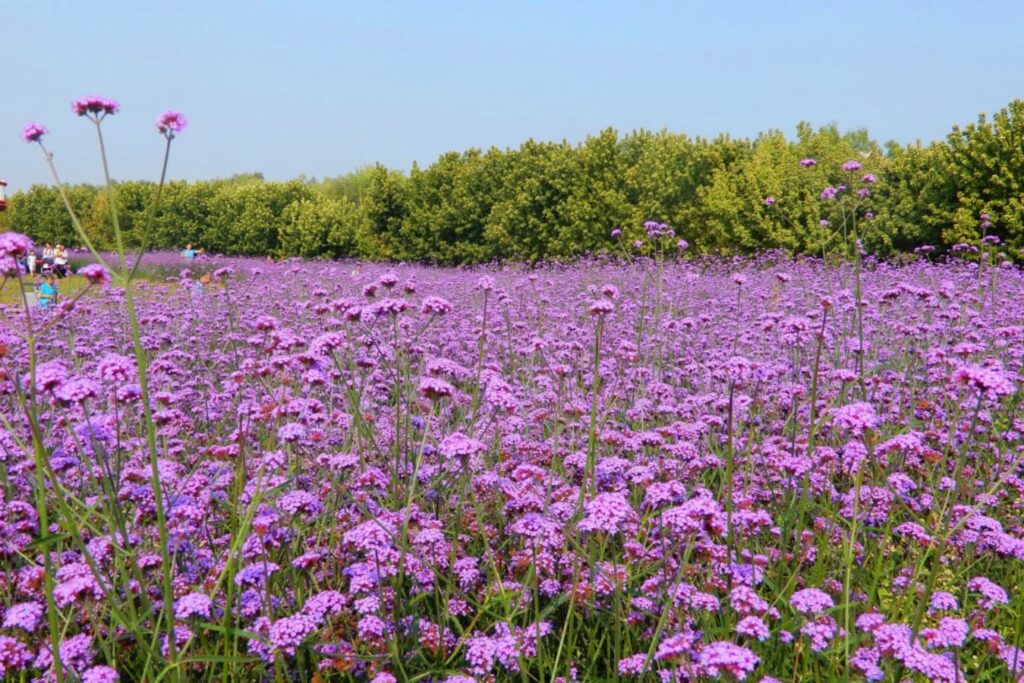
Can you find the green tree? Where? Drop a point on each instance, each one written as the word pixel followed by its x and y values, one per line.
pixel 315 227
pixel 39 213
pixel 538 179
pixel 385 205
pixel 985 162
pixel 596 202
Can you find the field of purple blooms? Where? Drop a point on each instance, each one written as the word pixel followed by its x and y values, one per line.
pixel 698 470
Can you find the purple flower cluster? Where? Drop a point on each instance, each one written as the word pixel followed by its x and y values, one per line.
pixel 171 123
pixel 33 132
pixel 95 106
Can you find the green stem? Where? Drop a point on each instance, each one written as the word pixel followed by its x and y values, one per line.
pixel 141 364
pixel 39 453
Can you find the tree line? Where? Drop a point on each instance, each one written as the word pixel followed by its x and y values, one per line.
pixel 556 200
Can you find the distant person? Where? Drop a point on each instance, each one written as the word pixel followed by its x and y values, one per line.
pixel 48 255
pixel 30 262
pixel 47 292
pixel 199 286
pixel 60 261
pixel 189 254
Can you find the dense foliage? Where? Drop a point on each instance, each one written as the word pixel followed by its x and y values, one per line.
pixel 557 201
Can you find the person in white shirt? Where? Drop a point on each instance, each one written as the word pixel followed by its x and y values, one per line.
pixel 60 261
pixel 48 255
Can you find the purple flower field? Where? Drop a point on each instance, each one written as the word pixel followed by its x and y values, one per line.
pixel 686 470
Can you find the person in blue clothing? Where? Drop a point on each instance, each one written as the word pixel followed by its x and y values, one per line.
pixel 189 254
pixel 47 292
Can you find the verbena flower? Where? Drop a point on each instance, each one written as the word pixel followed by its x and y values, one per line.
pixel 811 601
pixel 460 446
pixel 601 308
pixel 985 380
pixel 991 592
pixel 170 123
pixel 25 616
pixel 676 646
pixel 100 674
pixel 33 132
pixel 98 107
pixel 855 418
pixel 435 305
pixel 753 627
pixel 610 513
pixel 14 655
pixel 193 605
pixel 634 665
pixel 723 657
pixel 433 387
pixel 287 634
pixel 942 600
pixel 14 245
pixel 95 273
pixel 951 632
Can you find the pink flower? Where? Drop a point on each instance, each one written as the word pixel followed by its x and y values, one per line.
pixel 14 245
pixel 95 274
pixel 100 674
pixel 855 418
pixel 458 445
pixel 811 601
pixel 434 387
pixel 723 657
pixel 14 656
pixel 435 305
pixel 192 605
pixel 171 122
pixel 986 380
pixel 753 627
pixel 601 307
pixel 287 634
pixel 675 647
pixel 33 132
pixel 608 512
pixel 992 593
pixel 97 106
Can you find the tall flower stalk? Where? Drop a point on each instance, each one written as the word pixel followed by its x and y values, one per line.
pixel 96 110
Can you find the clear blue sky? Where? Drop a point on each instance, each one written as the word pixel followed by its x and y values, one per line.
pixel 322 87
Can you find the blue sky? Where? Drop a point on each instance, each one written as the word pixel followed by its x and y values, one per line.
pixel 323 87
